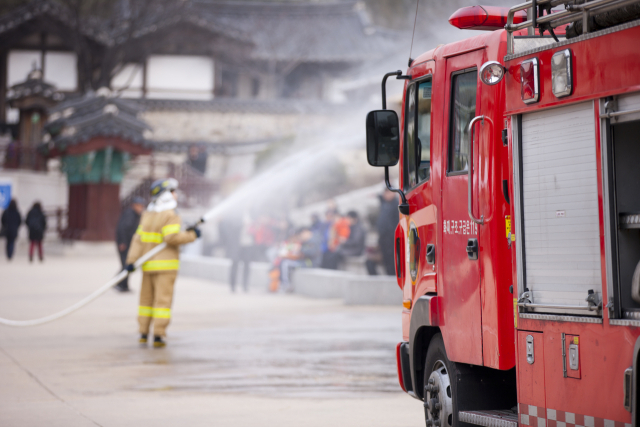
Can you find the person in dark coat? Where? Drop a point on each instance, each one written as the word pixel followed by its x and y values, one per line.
pixel 37 224
pixel 11 221
pixel 386 225
pixel 352 247
pixel 127 226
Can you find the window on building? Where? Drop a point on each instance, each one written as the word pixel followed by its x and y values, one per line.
pixel 463 110
pixel 61 70
pixel 20 63
pixel 180 77
pixel 417 150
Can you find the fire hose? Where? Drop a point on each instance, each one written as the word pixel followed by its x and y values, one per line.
pixel 104 288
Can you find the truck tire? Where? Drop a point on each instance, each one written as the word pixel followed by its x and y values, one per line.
pixel 440 391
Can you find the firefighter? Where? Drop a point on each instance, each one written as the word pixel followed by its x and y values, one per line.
pixel 159 223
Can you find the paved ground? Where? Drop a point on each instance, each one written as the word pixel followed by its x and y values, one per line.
pixel 232 360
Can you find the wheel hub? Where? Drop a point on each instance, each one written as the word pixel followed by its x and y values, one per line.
pixel 438 404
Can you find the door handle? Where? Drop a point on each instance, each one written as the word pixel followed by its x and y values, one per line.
pixel 470 180
pixel 431 254
pixel 472 249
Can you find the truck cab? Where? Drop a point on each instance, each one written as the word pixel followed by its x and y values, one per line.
pixel 453 245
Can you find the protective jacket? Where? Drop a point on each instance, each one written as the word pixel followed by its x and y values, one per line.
pixel 158 224
pixel 155 228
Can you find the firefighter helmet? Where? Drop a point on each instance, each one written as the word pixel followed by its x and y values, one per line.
pixel 161 185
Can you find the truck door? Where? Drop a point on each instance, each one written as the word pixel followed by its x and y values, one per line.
pixel 460 269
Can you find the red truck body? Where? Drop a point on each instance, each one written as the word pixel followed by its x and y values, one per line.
pixel 520 281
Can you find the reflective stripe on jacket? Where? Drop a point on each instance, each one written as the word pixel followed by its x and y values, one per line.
pixel 155 228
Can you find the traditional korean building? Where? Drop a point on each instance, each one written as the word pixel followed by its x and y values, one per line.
pixel 32 98
pixel 95 137
pixel 216 82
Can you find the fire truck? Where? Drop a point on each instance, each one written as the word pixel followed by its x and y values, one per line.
pixel 518 243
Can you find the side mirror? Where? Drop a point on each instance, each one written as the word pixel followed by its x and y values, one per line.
pixel 383 138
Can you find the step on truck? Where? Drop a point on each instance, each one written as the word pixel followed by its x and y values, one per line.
pixel 518 245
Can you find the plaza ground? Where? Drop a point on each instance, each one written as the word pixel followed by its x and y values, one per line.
pixel 231 360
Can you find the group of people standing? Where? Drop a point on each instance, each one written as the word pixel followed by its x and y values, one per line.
pixel 36 222
pixel 326 243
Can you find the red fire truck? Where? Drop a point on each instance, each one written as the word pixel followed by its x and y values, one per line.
pixel 519 237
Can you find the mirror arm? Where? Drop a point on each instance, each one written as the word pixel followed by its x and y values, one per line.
pixel 384 86
pixel 404 206
pixel 399 76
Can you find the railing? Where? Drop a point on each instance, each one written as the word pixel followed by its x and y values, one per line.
pixel 58 216
pixel 195 189
pixel 19 157
pixel 573 12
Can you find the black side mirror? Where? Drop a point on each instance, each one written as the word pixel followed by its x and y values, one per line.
pixel 383 138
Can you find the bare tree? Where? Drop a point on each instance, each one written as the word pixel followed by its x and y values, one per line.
pixel 108 34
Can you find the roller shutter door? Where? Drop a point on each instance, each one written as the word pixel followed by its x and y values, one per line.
pixel 560 205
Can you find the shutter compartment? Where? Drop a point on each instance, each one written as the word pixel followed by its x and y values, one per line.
pixel 560 207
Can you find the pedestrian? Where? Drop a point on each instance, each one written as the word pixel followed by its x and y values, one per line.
pixel 159 223
pixel 126 228
pixel 197 159
pixel 386 226
pixel 244 254
pixel 352 246
pixel 11 221
pixel 338 234
pixel 305 255
pixel 37 224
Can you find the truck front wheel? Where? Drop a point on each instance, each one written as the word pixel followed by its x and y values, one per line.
pixel 439 390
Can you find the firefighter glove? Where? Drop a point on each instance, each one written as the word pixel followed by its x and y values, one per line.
pixel 130 268
pixel 195 230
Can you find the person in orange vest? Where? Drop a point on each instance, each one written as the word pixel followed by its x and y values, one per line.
pixel 159 223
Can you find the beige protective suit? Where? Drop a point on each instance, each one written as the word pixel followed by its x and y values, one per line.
pixel 159 273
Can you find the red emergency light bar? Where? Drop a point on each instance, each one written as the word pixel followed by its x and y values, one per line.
pixel 487 18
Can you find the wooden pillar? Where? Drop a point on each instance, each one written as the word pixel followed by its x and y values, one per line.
pixel 4 64
pixel 144 78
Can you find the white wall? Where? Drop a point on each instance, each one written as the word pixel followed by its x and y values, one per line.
pixel 49 188
pixel 179 77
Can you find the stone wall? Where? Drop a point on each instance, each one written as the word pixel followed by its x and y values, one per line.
pixel 313 283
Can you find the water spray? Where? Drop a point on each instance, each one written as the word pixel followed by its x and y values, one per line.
pixel 302 161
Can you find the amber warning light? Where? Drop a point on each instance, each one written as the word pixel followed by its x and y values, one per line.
pixel 487 18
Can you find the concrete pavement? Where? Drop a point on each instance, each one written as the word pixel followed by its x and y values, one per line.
pixel 232 359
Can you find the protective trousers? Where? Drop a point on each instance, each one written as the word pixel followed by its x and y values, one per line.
pixel 156 294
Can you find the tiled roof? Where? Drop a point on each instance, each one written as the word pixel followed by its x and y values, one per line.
pixel 303 32
pixel 91 28
pixel 307 32
pixel 34 86
pixel 227 148
pixel 231 105
pixel 94 114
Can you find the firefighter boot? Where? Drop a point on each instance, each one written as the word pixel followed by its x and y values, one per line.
pixel 158 342
pixel 143 339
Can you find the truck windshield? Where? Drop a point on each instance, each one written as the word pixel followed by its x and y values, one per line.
pixel 424 129
pixel 463 109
